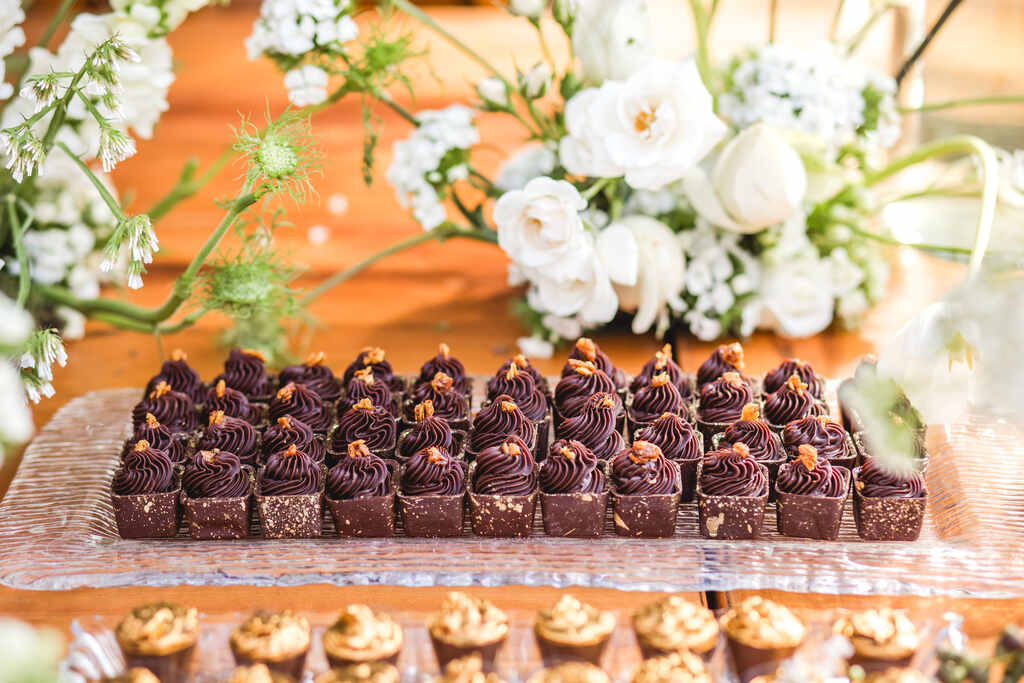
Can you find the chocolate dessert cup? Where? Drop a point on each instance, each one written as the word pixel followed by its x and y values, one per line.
pixel 574 515
pixel 291 667
pixel 361 636
pixel 165 647
pixel 808 516
pixel 731 517
pixel 761 635
pixel 290 663
pixel 673 624
pixel 882 638
pixel 687 468
pixel 466 625
pixel 646 516
pixel 175 667
pixel 459 440
pixel 572 631
pixel 366 517
pixel 771 465
pixel 500 516
pixel 292 516
pixel 219 518
pixel 750 662
pixel 887 519
pixel 446 652
pixel 432 516
pixel 148 515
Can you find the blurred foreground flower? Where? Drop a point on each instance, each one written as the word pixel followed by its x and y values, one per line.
pixel 28 655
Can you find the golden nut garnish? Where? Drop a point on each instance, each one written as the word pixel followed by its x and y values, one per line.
pixel 291 451
pixel 358 449
pixel 363 404
pixel 373 355
pixel 751 412
pixel 285 422
pixel 512 372
pixel 796 384
pixel 508 406
pixel 160 389
pixel 216 417
pixel 582 367
pixel 859 484
pixel 315 358
pixel 436 456
pixel 441 383
pixel 661 358
pixel 423 410
pixel 732 378
pixel 255 354
pixel 221 388
pixel 660 380
pixel 643 452
pixel 286 392
pixel 808 456
pixel 587 347
pixel 741 449
pixel 567 452
pixel 823 420
pixel 141 445
pixel 365 376
pixel 209 456
pixel 520 360
pixel 178 355
pixel 444 351
pixel 732 354
pixel 151 421
pixel 667 416
pixel 603 400
pixel 510 447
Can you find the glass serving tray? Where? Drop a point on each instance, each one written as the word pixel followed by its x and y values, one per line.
pixel 57 532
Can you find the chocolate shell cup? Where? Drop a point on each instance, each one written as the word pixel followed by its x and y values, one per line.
pixel 368 517
pixel 875 665
pixel 291 666
pixel 772 465
pixel 173 667
pixel 432 516
pixel 501 516
pixel 554 653
pixel 751 662
pixel 335 662
pixel 543 440
pixel 648 651
pixel 646 516
pixel 446 652
pixel 731 517
pixel 574 515
pixel 296 516
pixel 148 515
pixel 708 430
pixel 219 518
pixel 815 517
pixel 888 519
pixel 860 443
pixel 687 469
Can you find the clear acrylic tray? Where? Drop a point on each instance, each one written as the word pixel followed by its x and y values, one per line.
pixel 57 532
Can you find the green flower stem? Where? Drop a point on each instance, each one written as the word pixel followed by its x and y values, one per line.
pixel 966 102
pixel 441 233
pixel 104 193
pixel 885 239
pixel 599 185
pixel 187 185
pixel 773 20
pixel 702 25
pixel 833 30
pixel 58 18
pixel 186 322
pixel 17 232
pixel 544 47
pixel 123 322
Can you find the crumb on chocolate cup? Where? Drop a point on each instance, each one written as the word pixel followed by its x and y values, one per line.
pixel 672 624
pixel 280 640
pixel 466 625
pixel 572 631
pixel 761 635
pixel 160 637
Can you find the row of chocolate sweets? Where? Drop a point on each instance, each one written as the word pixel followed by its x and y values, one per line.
pixel 677 640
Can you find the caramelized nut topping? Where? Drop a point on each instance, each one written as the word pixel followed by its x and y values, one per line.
pixel 151 421
pixel 511 448
pixel 808 456
pixel 587 347
pixel 436 456
pixel 732 378
pixel 292 451
pixel 741 449
pixel 141 445
pixel 374 355
pixel 512 372
pixel 582 367
pixel 162 388
pixel 178 355
pixel 660 380
pixel 221 388
pixel 358 449
pixel 441 383
pixel 444 350
pixel 216 417
pixel 315 358
pixel 751 412
pixel 286 392
pixel 209 456
pixel 363 404
pixel 423 410
pixel 643 452
pixel 285 422
pixel 508 406
pixel 365 376
pixel 603 400
pixel 520 360
pixel 567 452
pixel 796 384
pixel 255 354
pixel 732 354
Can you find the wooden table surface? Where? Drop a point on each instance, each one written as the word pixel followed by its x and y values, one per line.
pixel 454 293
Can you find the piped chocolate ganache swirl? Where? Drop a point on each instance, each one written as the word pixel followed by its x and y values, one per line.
pixel 789 402
pixel 642 470
pixel 215 474
pixel 442 393
pixel 365 384
pixel 662 363
pixel 231 434
pixel 433 472
pixel 159 437
pixel 290 472
pixel 171 408
pixel 290 431
pixel 371 358
pixel 428 430
pixel 574 390
pixel 522 364
pixel 445 362
pixel 367 422
pixel 732 472
pixel 874 481
pixel 586 349
pixel 723 399
pixel 246 371
pixel 827 437
pixel 774 379
pixel 726 358
pixel 754 432
pixel 144 470
pixel 507 469
pixel 498 420
pixel 316 376
pixel 521 387
pixel 657 398
pixel 810 475
pixel 298 401
pixel 595 426
pixel 676 437
pixel 179 374
pixel 229 401
pixel 571 467
pixel 360 474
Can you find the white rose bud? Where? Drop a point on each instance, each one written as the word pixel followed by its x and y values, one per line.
pixel 612 38
pixel 493 92
pixel 565 13
pixel 531 9
pixel 535 82
pixel 540 226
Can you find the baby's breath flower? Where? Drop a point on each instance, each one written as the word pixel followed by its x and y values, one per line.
pixel 115 147
pixel 44 88
pixel 11 36
pixel 134 236
pixel 23 149
pixel 43 349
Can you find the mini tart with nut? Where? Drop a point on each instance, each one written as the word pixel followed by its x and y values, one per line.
pixel 361 635
pixel 761 634
pixel 468 669
pixel 161 637
pixel 257 673
pixel 278 639
pixel 366 672
pixel 573 630
pixel 465 625
pixel 677 667
pixel 570 672
pixel 884 636
pixel 673 624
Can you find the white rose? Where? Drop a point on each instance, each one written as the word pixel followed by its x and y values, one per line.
pixel 534 83
pixel 846 275
pixel 307 85
pixel 531 9
pixel 797 298
pixel 540 226
pixel 493 92
pixel 652 128
pixel 566 328
pixel 16 427
pixel 660 276
pixel 528 163
pixel 612 38
pixel 15 322
pixel 758 180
